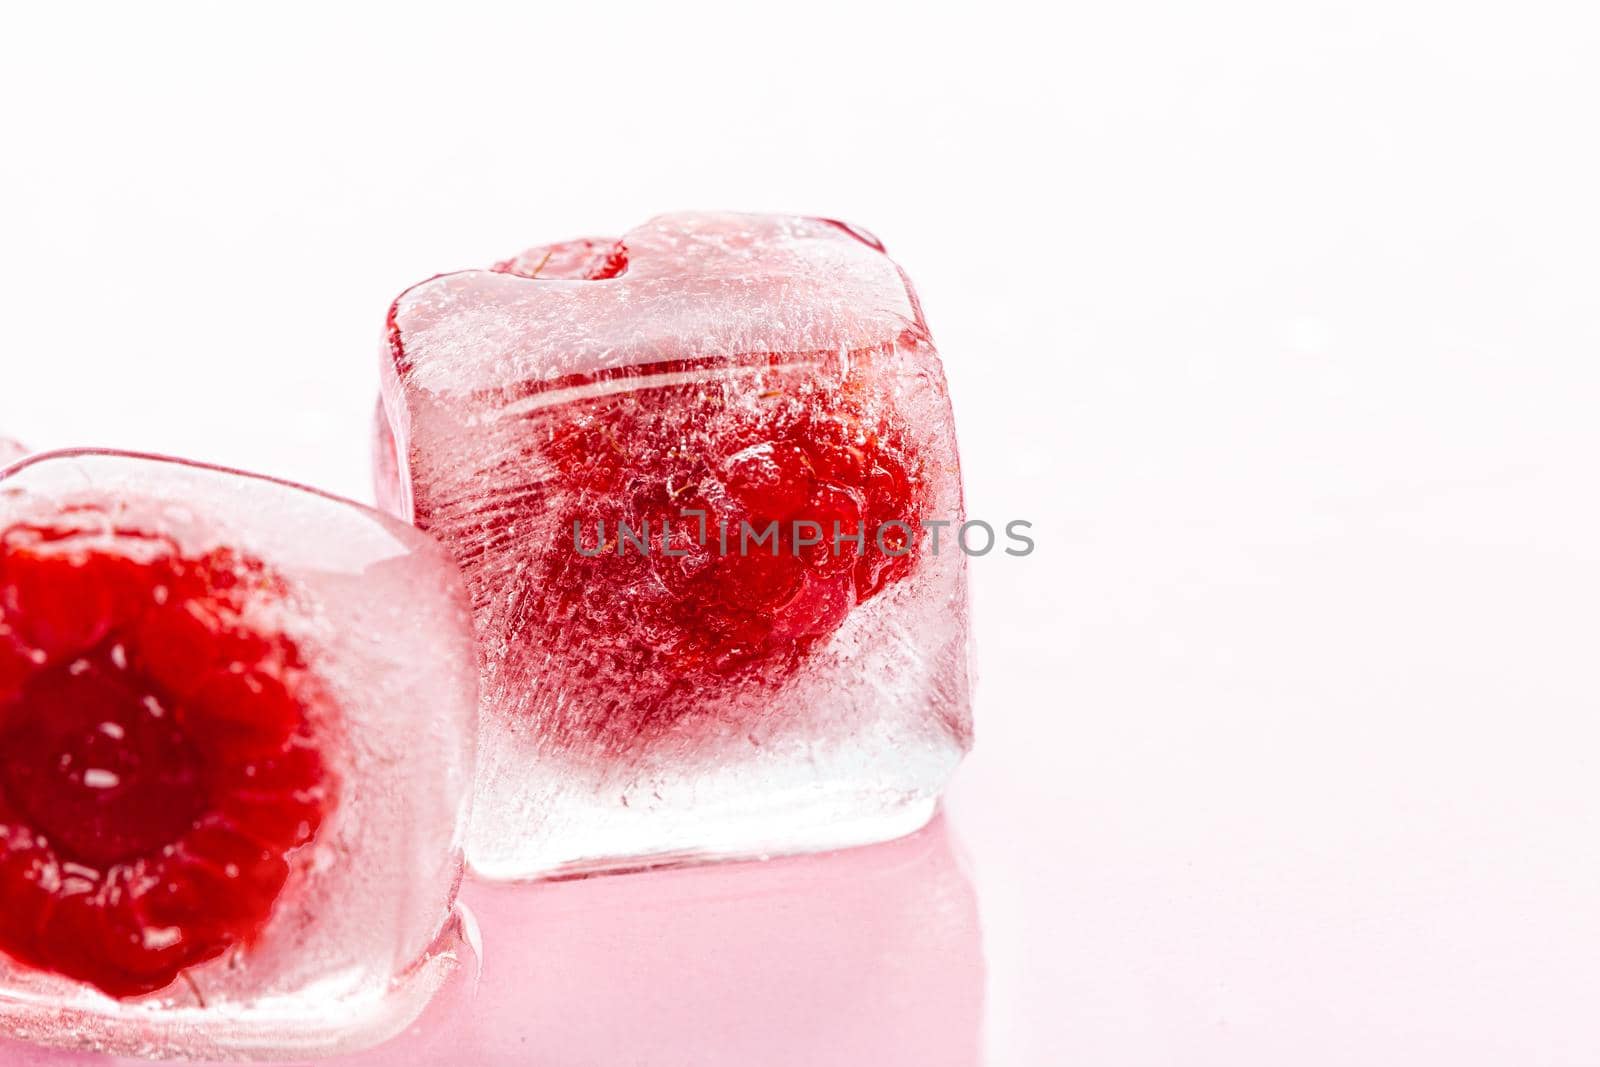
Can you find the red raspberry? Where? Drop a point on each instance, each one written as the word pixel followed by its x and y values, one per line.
pixel 656 626
pixel 158 765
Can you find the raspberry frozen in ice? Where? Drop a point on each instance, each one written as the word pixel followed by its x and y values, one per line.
pixel 687 475
pixel 159 758
pixel 231 771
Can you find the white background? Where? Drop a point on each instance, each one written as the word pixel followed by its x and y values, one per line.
pixel 1279 322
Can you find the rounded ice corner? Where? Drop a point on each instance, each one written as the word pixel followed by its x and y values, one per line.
pixel 114 462
pixel 362 1030
pixel 860 233
pixel 228 586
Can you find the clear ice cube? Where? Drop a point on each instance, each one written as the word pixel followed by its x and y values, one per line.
pixel 578 426
pixel 236 731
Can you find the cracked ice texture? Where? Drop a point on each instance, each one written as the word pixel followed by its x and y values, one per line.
pixel 645 708
pixel 364 929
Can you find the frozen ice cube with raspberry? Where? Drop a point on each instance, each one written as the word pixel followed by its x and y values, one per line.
pixel 689 476
pixel 236 724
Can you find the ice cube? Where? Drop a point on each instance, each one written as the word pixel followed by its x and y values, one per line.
pixel 236 729
pixel 652 697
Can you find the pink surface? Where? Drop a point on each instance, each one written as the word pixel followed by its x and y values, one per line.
pixel 865 956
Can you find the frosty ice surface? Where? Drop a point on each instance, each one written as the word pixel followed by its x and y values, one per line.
pixel 595 430
pixel 236 723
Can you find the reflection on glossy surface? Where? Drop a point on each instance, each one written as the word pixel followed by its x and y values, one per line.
pixel 869 956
